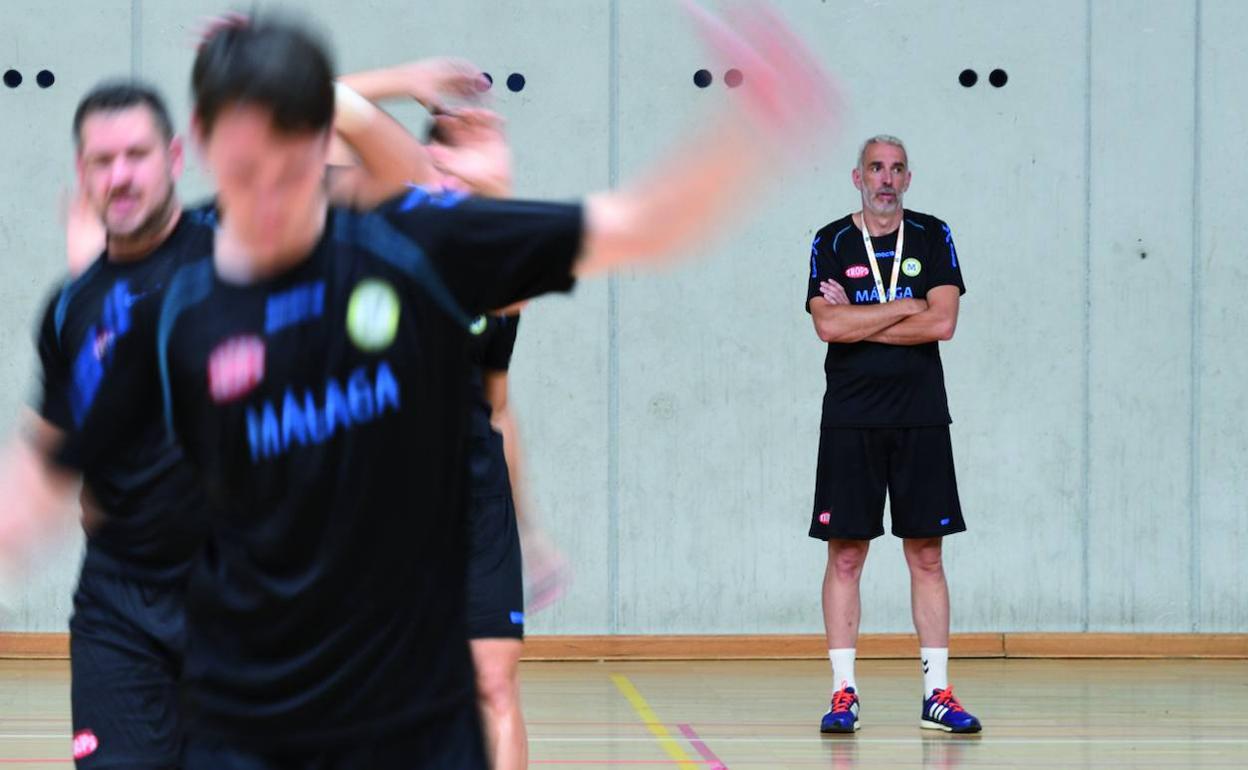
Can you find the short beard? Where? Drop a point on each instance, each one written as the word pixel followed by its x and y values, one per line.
pixel 152 226
pixel 878 210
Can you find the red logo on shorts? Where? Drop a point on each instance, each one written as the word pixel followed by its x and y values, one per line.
pixel 825 517
pixel 857 271
pixel 85 744
pixel 235 367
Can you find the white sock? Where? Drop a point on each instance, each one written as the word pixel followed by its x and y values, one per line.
pixel 842 668
pixel 935 669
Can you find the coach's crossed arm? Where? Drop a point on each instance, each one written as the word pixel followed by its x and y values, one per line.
pixel 935 324
pixel 839 321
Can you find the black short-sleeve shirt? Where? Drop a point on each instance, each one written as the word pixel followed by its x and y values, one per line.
pixel 493 340
pixel 871 384
pixel 326 409
pixel 153 508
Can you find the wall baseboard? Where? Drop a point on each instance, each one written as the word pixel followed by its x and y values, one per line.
pixel 804 646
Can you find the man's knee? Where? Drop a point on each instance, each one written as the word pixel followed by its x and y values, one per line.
pixel 923 556
pixel 846 558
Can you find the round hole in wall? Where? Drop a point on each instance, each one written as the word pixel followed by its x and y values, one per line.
pixel 968 78
pixel 45 78
pixel 733 78
pixel 998 78
pixel 515 82
pixel 702 78
pixel 12 78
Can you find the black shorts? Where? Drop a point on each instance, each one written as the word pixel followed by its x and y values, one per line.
pixel 857 466
pixel 452 742
pixel 495 576
pixel 127 640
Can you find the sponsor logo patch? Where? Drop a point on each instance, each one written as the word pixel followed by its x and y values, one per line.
pixel 373 315
pixel 825 517
pixel 235 367
pixel 477 327
pixel 857 271
pixel 85 744
pixel 294 306
pixel 911 267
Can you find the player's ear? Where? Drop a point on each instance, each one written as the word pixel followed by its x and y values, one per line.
pixel 856 175
pixel 177 157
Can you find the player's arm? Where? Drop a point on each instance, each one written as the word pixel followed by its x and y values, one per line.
pixel 35 490
pixel 935 324
pixel 85 238
pixel 388 156
pixel 855 323
pixel 528 249
pixel 427 81
pixel 504 421
pixel 785 99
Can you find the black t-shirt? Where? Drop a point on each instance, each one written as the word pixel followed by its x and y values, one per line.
pixel 493 340
pixel 327 409
pixel 154 512
pixel 870 384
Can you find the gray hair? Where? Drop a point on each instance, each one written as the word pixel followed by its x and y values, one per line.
pixel 882 139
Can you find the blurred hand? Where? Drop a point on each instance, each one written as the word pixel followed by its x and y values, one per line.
pixel 433 81
pixel 786 95
pixel 547 574
pixel 212 25
pixel 85 238
pixel 473 150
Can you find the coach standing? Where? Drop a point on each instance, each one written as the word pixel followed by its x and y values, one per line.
pixel 884 290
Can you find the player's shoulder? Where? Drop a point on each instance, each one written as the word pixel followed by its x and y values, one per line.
pixel 836 226
pixel 420 199
pixel 830 235
pixel 203 213
pixel 926 222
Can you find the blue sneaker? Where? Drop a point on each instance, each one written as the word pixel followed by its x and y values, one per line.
pixel 943 712
pixel 842 717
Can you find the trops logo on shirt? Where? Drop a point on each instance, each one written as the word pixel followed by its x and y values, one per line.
pixel 235 367
pixel 373 315
pixel 857 271
pixel 85 744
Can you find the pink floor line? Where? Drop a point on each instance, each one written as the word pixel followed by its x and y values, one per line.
pixel 714 762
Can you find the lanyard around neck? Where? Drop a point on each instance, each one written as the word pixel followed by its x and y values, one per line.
pixel 875 265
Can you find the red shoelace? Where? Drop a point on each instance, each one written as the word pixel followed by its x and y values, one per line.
pixel 945 698
pixel 842 699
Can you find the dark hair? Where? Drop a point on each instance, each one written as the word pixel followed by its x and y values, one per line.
pixel 272 62
pixel 114 95
pixel 434 133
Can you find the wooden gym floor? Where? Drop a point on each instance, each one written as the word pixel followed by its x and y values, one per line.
pixel 765 714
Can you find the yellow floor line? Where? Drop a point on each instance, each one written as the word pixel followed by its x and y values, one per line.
pixel 657 729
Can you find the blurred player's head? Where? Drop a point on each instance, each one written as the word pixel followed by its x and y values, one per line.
pixel 264 109
pixel 128 159
pixel 882 174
